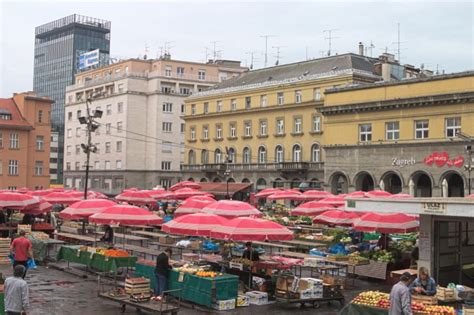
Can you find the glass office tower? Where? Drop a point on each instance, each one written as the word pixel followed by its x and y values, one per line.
pixel 58 45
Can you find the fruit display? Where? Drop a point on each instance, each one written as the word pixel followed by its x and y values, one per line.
pixel 356 258
pixel 438 310
pixel 42 226
pixel 417 307
pixel 383 256
pixel 188 269
pixel 208 274
pixel 370 298
pixel 40 235
pixel 384 303
pixel 116 253
pixel 243 261
pixel 346 239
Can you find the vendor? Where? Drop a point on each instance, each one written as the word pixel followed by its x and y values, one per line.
pixel 384 241
pixel 249 253
pixel 108 235
pixel 28 219
pixel 423 284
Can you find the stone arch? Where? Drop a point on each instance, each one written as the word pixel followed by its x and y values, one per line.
pixel 422 184
pixel 296 182
pixel 364 181
pixel 278 183
pixel 216 180
pixel 456 183
pixel 339 183
pixel 261 184
pixel 231 180
pixel 393 181
pixel 203 180
pixel 190 179
pixel 246 180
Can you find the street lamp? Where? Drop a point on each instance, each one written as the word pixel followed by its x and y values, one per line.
pixel 468 148
pixel 228 159
pixel 92 126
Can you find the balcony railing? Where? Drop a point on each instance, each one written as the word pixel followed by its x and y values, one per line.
pixel 285 166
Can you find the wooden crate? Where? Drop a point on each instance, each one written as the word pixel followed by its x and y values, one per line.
pixel 467 310
pixel 427 300
pixel 26 228
pixel 337 258
pixel 137 285
pixel 445 294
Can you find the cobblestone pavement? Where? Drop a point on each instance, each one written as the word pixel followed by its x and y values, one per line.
pixel 55 292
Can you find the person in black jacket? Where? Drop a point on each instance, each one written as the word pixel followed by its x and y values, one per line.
pixel 250 253
pixel 161 271
pixel 108 235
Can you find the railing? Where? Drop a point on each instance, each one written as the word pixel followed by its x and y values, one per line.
pixel 285 166
pixel 184 76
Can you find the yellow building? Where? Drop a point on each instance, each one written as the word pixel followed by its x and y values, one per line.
pixel 262 127
pixel 400 136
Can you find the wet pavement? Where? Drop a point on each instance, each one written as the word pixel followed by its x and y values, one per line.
pixel 56 292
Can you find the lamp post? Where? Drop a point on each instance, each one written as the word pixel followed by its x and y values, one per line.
pixel 91 126
pixel 228 159
pixel 468 148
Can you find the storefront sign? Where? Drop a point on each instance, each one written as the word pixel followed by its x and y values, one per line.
pixel 442 158
pixel 403 162
pixel 434 207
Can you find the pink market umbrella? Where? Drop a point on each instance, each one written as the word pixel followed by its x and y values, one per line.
pixel 378 194
pixel 251 229
pixel 314 195
pixel 41 208
pixel 197 224
pixel 61 198
pixel 185 184
pixel 126 215
pixel 285 195
pixel 39 193
pixel 264 193
pixel 336 217
pixel 23 190
pixel 231 209
pixel 386 223
pixel 85 208
pixel 184 193
pixel 357 194
pixel 401 196
pixel 311 208
pixel 136 197
pixel 336 201
pixel 192 205
pixel 470 196
pixel 17 201
pixel 202 198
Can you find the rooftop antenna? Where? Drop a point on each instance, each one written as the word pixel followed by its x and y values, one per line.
pixel 399 43
pixel 322 53
pixel 251 53
pixel 278 56
pixel 168 47
pixel 214 51
pixel 330 38
pixel 266 47
pixel 146 51
pixel 206 49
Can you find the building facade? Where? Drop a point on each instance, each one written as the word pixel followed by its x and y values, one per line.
pixel 140 139
pixel 401 136
pixel 25 130
pixel 262 127
pixel 58 45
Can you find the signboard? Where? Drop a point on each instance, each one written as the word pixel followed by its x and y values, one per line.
pixel 442 158
pixel 403 162
pixel 433 207
pixel 89 59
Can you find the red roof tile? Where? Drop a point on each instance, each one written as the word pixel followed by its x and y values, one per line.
pixel 17 121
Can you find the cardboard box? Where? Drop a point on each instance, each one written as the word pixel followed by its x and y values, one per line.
pixel 257 297
pixel 223 305
pixel 333 280
pixel 195 244
pixel 284 283
pixel 306 294
pixel 243 300
pixel 166 240
pixel 313 262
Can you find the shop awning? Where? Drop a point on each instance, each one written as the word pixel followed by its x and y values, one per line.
pixel 220 189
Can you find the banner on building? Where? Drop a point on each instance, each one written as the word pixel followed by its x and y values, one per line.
pixel 89 59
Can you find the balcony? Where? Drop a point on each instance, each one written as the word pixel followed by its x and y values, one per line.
pixel 280 167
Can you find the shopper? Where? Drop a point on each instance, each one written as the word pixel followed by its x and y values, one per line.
pixel 16 293
pixel 250 253
pixel 108 235
pixel 22 250
pixel 161 271
pixel 423 284
pixel 400 297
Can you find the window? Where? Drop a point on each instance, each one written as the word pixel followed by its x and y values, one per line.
pixel 108 109
pixel 96 165
pixel 219 106
pixel 180 71
pixel 78 114
pixel 69 116
pixel 14 141
pixel 263 100
pixel 77 166
pixel 13 167
pixel 217 156
pixel 206 108
pixel 453 126
pixel 316 123
pixel 233 130
pixel 97 131
pixel 233 104
pixel 69 133
pixel 38 168
pixel 167 127
pixel 6 116
pixel 183 127
pixel 231 156
pixel 40 116
pixel 78 131
pixel 1 140
pixel 204 156
pixel 421 129
pixel 248 102
pixel 119 126
pixel 165 165
pixel 168 71
pixel 182 108
pixel 166 147
pixel 193 109
pixel 97 146
pixel 107 165
pixel 280 126
pixel 392 130
pixel 166 89
pixel 248 128
pixel 192 133
pixel 78 149
pixel 205 132
pixel 202 75
pixel 296 153
pixel 184 91
pixel 120 107
pixel 191 157
pixel 263 127
pixel 118 146
pixel 39 143
pixel 298 96
pixel 120 88
pixel 219 131
pixel 118 164
pixel 107 128
pixel 68 150
pixel 107 147
pixel 365 132
pixel 279 157
pixel 167 107
pixel 315 153
pixel 298 125
pixel 262 155
pixel 317 94
pixel 68 166
pixel 246 156
pixel 280 98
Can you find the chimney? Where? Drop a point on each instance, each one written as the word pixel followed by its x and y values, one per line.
pixel 361 49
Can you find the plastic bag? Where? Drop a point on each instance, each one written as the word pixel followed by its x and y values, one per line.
pixel 30 264
pixel 338 249
pixel 315 252
pixel 11 258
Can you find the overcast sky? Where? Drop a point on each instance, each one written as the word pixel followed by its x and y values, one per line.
pixel 432 33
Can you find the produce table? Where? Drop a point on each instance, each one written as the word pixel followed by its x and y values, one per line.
pixel 150 234
pixel 41 247
pixel 94 260
pixel 147 271
pixel 75 237
pixel 374 269
pixel 358 309
pixel 204 291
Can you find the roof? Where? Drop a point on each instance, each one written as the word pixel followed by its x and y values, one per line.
pixel 306 70
pixel 220 189
pixel 17 121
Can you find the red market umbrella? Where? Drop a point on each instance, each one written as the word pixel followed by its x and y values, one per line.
pixel 185 184
pixel 125 215
pixel 311 208
pixel 39 192
pixel 192 205
pixel 386 223
pixel 85 208
pixel 264 193
pixel 23 190
pixel 184 193
pixel 400 196
pixel 251 229
pixel 470 196
pixel 357 194
pixel 99 195
pixel 41 208
pixel 202 198
pixel 198 224
pixel 136 197
pixel 285 195
pixel 378 194
pixel 336 201
pixel 17 201
pixel 314 195
pixel 61 198
pixel 231 209
pixel 336 217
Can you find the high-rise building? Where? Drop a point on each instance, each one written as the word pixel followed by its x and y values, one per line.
pixel 58 46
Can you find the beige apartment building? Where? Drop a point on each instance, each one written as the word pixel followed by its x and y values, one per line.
pixel 140 140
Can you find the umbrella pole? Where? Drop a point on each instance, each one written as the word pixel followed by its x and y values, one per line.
pixel 95 234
